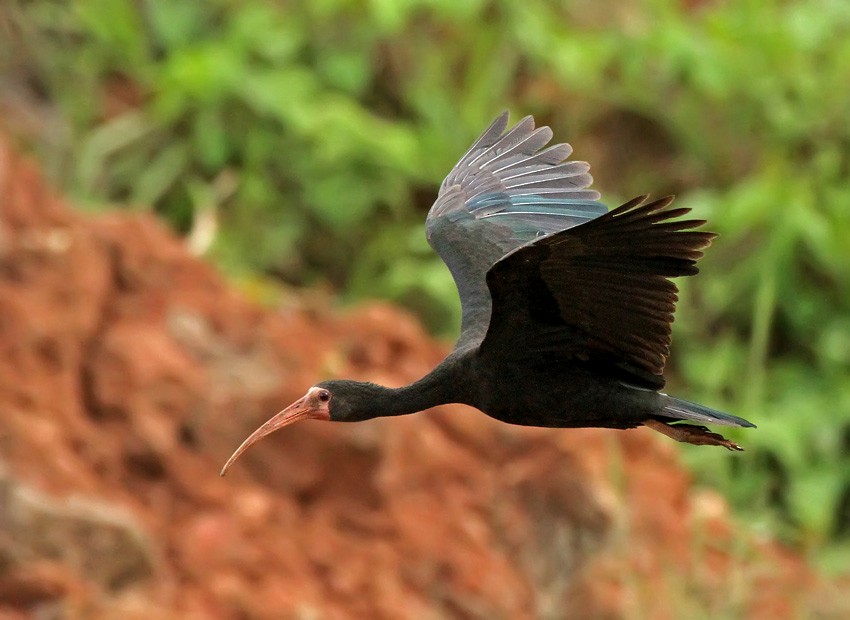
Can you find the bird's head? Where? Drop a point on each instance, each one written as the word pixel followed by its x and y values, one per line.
pixel 338 401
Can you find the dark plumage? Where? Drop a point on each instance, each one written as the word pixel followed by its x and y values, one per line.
pixel 567 307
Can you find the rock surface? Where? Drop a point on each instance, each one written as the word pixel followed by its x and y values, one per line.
pixel 128 373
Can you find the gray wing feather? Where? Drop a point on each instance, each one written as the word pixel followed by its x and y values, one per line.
pixel 504 192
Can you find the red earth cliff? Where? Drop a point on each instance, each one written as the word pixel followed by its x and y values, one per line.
pixel 129 371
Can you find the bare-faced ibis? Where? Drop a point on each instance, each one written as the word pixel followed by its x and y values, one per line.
pixel 567 307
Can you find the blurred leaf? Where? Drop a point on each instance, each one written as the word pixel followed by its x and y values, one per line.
pixel 103 142
pixel 161 173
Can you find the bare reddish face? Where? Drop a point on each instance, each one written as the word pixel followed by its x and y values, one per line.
pixel 313 405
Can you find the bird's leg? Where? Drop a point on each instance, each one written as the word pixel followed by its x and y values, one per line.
pixel 688 433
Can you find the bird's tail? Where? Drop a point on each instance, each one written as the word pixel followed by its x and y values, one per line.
pixel 686 410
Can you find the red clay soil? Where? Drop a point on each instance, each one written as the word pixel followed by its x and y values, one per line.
pixel 129 371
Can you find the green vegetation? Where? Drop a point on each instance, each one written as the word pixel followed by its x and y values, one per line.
pixel 319 131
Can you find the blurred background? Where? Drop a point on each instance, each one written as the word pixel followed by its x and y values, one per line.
pixel 297 146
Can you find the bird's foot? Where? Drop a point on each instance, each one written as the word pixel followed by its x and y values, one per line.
pixel 689 433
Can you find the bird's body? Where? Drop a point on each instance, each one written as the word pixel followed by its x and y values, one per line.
pixel 561 395
pixel 567 307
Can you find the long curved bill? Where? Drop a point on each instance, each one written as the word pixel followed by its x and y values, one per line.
pixel 298 410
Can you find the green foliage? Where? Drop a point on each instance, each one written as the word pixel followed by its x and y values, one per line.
pixel 335 121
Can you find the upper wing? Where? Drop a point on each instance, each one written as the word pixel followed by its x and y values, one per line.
pixel 599 293
pixel 504 192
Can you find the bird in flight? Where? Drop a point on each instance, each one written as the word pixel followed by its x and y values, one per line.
pixel 566 307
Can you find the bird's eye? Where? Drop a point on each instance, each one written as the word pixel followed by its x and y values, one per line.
pixel 324 396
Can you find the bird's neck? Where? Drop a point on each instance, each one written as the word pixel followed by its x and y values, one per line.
pixel 438 387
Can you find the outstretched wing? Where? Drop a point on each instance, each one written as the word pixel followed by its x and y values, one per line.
pixel 598 294
pixel 504 192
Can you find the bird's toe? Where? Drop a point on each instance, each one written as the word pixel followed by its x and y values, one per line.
pixel 690 433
